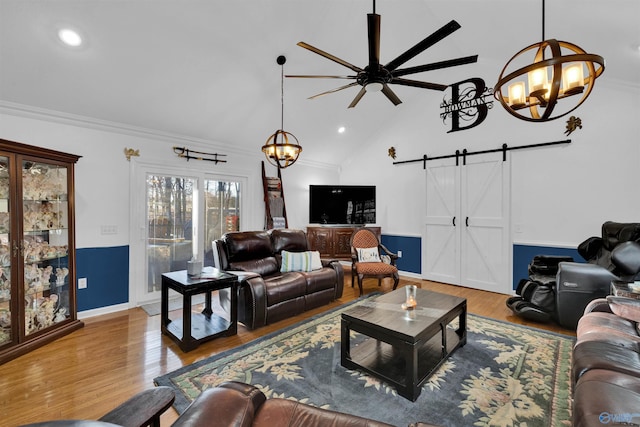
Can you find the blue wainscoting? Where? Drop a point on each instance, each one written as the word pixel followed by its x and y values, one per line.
pixel 107 269
pixel 107 273
pixel 411 248
pixel 523 254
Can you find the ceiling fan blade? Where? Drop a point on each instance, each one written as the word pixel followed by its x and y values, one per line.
pixel 333 90
pixel 416 83
pixel 437 65
pixel 329 56
pixel 357 98
pixel 318 77
pixel 373 26
pixel 423 45
pixel 391 95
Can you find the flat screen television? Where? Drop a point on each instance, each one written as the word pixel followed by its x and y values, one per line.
pixel 342 204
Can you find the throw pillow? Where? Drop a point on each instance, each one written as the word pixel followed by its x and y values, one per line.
pixel 300 261
pixel 368 255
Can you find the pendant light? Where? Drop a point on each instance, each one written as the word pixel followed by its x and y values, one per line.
pixel 282 148
pixel 557 72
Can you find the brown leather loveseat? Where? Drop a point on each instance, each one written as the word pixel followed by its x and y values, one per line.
pixel 235 404
pixel 266 293
pixel 606 364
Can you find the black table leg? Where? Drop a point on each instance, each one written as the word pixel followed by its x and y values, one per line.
pixel 207 305
pixel 164 306
pixel 187 339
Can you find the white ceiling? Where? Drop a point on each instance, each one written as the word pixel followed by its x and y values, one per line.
pixel 206 70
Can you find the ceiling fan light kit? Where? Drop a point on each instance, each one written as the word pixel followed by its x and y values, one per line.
pixel 557 70
pixel 376 77
pixel 282 148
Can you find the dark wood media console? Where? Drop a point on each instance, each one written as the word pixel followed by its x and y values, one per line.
pixel 334 241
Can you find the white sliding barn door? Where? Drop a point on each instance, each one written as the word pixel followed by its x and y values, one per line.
pixel 467 235
pixel 485 244
pixel 441 247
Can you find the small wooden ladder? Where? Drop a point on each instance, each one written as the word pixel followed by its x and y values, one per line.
pixel 274 206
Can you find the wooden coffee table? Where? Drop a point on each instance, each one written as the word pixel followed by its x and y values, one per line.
pixel 400 349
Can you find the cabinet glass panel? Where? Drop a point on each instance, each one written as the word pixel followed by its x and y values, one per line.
pixel 5 254
pixel 45 245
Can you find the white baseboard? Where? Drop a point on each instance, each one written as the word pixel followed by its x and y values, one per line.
pixel 103 310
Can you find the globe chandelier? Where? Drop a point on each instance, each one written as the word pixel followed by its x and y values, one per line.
pixel 559 71
pixel 282 148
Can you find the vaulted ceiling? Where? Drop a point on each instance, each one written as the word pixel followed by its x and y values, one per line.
pixel 206 69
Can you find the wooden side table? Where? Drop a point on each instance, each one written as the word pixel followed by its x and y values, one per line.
pixel 196 328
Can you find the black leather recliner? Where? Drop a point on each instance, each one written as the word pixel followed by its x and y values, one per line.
pixel 614 256
pixel 597 250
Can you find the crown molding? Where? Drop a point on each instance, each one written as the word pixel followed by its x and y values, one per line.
pixel 37 113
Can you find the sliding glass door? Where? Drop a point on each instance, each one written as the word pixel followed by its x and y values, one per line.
pixel 182 215
pixel 221 212
pixel 170 201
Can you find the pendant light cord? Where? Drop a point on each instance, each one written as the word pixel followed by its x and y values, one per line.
pixel 543 13
pixel 281 96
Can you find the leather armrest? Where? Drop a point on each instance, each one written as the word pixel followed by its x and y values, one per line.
pixel 598 305
pixel 230 404
pixel 590 247
pixel 255 301
pixel 627 308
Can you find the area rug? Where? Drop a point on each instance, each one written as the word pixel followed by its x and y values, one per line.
pixel 506 375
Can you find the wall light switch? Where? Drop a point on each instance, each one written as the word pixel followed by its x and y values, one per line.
pixel 108 229
pixel 399 254
pixel 82 283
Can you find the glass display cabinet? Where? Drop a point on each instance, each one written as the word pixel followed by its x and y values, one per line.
pixel 37 247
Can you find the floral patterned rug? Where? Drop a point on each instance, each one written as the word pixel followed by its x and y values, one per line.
pixel 506 375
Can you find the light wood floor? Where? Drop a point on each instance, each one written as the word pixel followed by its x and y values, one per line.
pixel 92 370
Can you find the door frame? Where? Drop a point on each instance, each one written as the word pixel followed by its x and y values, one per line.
pixel 461 210
pixel 138 230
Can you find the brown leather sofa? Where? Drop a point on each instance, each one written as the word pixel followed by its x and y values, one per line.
pixel 267 295
pixel 235 404
pixel 606 364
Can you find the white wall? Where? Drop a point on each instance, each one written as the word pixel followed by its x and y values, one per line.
pixel 103 173
pixel 560 194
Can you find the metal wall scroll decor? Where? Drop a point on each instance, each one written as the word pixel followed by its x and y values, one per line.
pixel 130 152
pixel 470 101
pixel 185 153
pixel 572 124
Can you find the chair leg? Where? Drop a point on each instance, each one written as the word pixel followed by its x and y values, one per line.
pixel 396 279
pixel 353 273
pixel 379 282
pixel 360 283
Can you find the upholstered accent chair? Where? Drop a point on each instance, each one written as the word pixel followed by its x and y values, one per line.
pixel 370 258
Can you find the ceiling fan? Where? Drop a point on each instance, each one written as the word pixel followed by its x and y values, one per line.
pixel 377 77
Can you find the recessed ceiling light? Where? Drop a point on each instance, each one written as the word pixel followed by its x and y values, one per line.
pixel 70 37
pixel 341 129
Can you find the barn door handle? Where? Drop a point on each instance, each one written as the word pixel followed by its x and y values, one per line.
pixel 454 221
pixel 466 221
